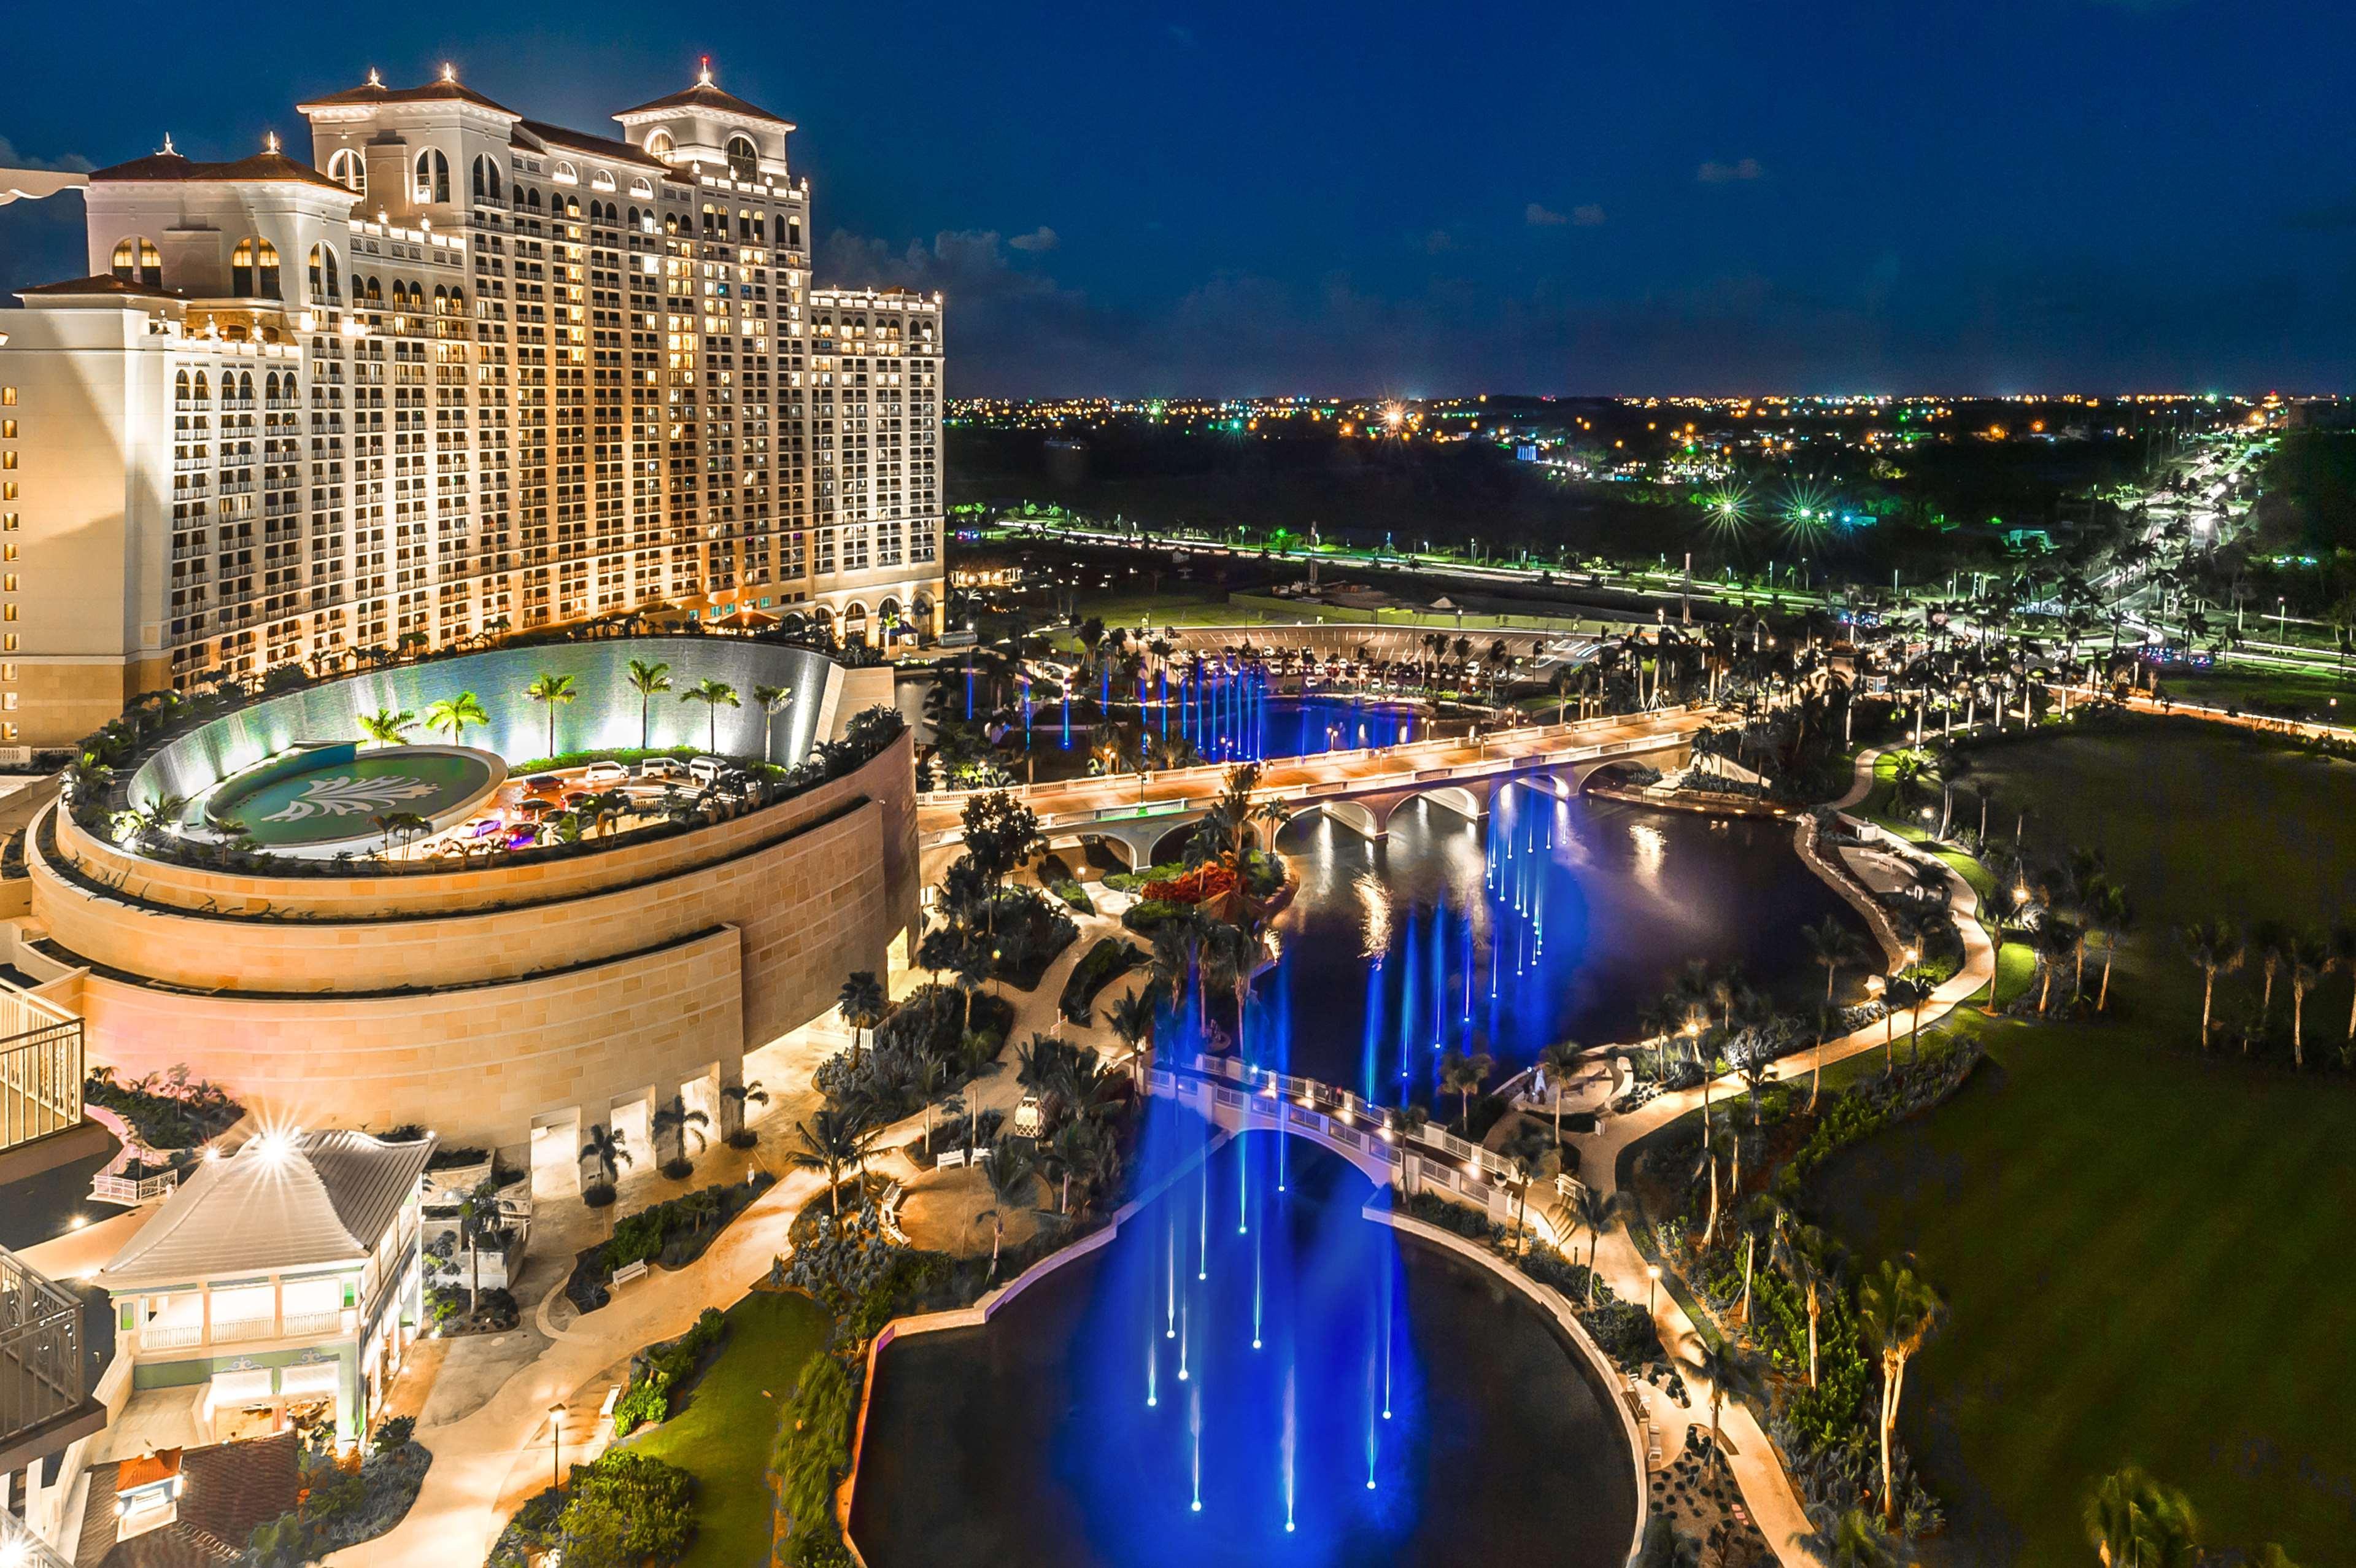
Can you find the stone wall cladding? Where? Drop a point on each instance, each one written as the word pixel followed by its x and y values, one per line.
pixel 475 1065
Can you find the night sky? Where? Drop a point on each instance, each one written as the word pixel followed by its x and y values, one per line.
pixel 1828 196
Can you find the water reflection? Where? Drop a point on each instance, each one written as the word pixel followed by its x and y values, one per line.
pixel 1558 918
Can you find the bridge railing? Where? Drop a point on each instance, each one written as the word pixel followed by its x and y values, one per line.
pixel 1515 754
pixel 1319 1106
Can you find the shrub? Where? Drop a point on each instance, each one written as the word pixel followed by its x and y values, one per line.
pixel 394 1433
pixel 661 1372
pixel 1075 895
pixel 627 1509
pixel 598 1194
pixel 813 1449
pixel 1106 962
pixel 1150 915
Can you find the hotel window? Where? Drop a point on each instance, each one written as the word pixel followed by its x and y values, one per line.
pixel 7 459
pixel 7 397
pixel 8 639
pixel 8 520
pixel 8 612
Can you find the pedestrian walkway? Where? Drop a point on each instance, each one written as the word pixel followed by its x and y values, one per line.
pixel 1767 1489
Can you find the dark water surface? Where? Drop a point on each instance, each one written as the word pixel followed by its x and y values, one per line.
pixel 1031 1440
pixel 1556 919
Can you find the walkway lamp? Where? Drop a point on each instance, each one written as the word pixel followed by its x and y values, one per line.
pixel 1653 1291
pixel 555 1445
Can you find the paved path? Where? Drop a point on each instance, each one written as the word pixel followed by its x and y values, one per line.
pixel 1767 1490
pixel 490 1459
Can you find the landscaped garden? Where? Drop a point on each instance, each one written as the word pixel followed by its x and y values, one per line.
pixel 2143 1246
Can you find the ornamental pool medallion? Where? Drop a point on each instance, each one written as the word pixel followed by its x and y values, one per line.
pixel 328 800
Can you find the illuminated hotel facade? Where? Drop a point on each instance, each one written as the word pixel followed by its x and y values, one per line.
pixel 463 373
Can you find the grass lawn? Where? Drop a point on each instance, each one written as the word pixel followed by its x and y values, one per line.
pixel 2240 685
pixel 723 1436
pixel 2149 1252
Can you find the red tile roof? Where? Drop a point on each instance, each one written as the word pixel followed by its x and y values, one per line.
pixel 161 166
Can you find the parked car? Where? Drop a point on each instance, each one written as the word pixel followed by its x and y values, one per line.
pixel 709 769
pixel 604 773
pixel 663 768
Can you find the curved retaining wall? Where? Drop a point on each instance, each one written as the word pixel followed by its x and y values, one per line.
pixel 474 1002
pixel 604 713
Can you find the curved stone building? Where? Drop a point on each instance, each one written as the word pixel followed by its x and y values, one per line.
pixel 512 1001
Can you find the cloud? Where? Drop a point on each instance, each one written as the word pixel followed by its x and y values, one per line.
pixel 1538 217
pixel 70 163
pixel 1439 241
pixel 1040 239
pixel 1183 36
pixel 1716 173
pixel 1588 216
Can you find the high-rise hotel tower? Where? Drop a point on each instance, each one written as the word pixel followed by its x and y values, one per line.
pixel 465 373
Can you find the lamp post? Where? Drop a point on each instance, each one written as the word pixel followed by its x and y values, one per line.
pixel 1653 1291
pixel 556 1445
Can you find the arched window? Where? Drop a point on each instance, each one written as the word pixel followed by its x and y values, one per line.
pixel 245 385
pixel 374 294
pixel 266 279
pixel 743 159
pixel 659 145
pixel 325 288
pixel 532 199
pixel 137 261
pixel 432 177
pixel 643 188
pixel 204 388
pixel 602 179
pixel 344 167
pixel 565 173
pixel 270 387
pixel 241 270
pixel 487 179
pixel 180 387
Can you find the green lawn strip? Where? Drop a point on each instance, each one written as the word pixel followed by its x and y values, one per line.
pixel 723 1434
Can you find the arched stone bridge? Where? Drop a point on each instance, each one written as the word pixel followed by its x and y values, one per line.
pixel 1361 789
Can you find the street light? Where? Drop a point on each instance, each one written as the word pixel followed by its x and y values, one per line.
pixel 556 1445
pixel 1653 1291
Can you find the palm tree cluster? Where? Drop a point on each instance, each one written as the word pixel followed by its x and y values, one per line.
pixel 2281 960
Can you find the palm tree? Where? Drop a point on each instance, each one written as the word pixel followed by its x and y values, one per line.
pixel 1012 1176
pixel 1130 1019
pixel 2215 949
pixel 2269 940
pixel 552 692
pixel 387 728
pixel 860 1004
pixel 2343 957
pixel 1591 1209
pixel 1828 1023
pixel 455 713
pixel 1833 945
pixel 404 825
pixel 2135 1522
pixel 1557 1059
pixel 1728 1368
pixel 608 1148
pixel 2107 911
pixel 1811 1261
pixel 1852 1538
pixel 2307 957
pixel 772 700
pixel 679 1121
pixel 738 1098
pixel 479 1216
pixel 829 1142
pixel 714 696
pixel 646 678
pixel 1899 1315
pixel 1461 1074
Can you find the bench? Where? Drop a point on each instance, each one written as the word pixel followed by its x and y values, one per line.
pixel 613 1396
pixel 888 1213
pixel 950 1159
pixel 627 1272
